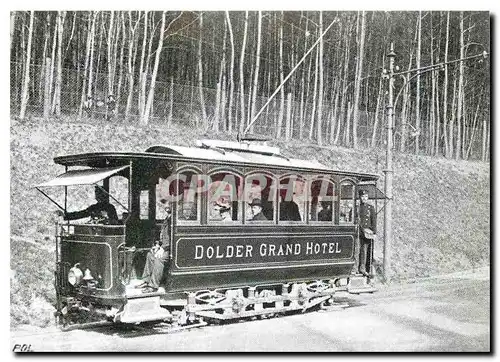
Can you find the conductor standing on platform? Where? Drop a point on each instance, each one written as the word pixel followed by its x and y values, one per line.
pixel 367 219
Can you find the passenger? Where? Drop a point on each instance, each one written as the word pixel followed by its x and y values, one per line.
pixel 224 210
pixel 101 212
pixel 367 220
pixel 289 210
pixel 326 212
pixel 158 256
pixel 155 264
pixel 256 207
pixel 166 227
pixel 189 211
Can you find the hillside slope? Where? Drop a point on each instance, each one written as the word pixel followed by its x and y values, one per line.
pixel 441 208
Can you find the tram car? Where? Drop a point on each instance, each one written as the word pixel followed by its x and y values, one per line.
pixel 220 260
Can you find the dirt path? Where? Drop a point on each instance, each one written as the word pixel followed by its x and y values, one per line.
pixel 448 313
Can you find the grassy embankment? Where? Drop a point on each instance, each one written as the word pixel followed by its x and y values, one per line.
pixel 441 207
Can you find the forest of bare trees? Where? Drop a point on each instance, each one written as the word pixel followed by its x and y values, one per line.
pixel 216 70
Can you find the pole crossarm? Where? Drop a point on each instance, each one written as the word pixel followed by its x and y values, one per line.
pixel 439 65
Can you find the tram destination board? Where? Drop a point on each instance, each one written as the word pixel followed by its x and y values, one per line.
pixel 243 250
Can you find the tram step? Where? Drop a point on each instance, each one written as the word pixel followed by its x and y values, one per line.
pixel 360 284
pixel 142 310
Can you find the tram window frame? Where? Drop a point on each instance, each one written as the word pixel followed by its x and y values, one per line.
pixel 271 191
pixel 352 200
pixel 234 199
pixel 300 201
pixel 180 201
pixel 315 200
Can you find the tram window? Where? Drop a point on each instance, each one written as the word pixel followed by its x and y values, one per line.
pixel 292 199
pixel 260 194
pixel 118 188
pixel 186 192
pixel 322 200
pixel 223 204
pixel 162 199
pixel 346 203
pixel 144 205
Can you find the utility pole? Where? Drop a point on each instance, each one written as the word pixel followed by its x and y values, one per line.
pixel 389 172
pixel 388 169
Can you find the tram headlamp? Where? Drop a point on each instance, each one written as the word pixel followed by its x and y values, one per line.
pixel 75 275
pixel 88 276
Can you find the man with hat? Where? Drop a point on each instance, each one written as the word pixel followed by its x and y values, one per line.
pixel 102 212
pixel 222 206
pixel 256 207
pixel 367 220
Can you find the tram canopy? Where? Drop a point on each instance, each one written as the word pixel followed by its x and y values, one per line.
pixel 82 177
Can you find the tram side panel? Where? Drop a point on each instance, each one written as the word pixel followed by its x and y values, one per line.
pixel 95 253
pixel 249 256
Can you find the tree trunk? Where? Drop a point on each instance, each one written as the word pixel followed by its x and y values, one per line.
pixel 282 77
pixel 315 90
pixel 87 64
pixel 56 105
pixel 357 82
pixel 13 16
pixel 142 71
pixel 447 136
pixel 242 75
pixel 130 66
pixel 200 77
pixel 171 103
pixel 26 81
pixel 437 136
pixel 257 66
pixel 221 90
pixel 484 141
pixel 377 110
pixel 453 112
pixel 347 129
pixel 42 80
pixel 147 111
pixel 215 125
pixel 53 57
pixel 288 129
pixel 110 59
pixel 231 74
pixel 335 95
pixel 473 135
pixel 343 111
pixel 432 117
pixel 120 75
pixel 303 98
pixel 460 100
pixel 405 95
pixel 320 89
pixel 91 60
pixel 417 100
pixel 46 98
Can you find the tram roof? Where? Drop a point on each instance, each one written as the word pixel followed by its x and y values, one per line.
pixel 205 154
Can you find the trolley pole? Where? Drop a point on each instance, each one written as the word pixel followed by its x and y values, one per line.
pixel 388 169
